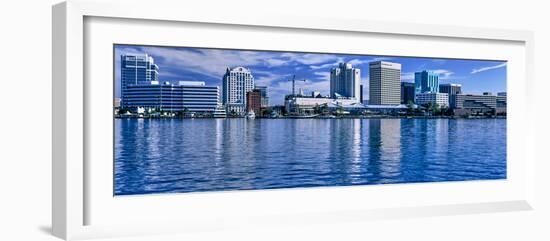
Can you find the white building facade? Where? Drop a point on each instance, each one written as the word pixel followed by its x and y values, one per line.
pixel 345 81
pixel 441 99
pixel 384 83
pixel 236 83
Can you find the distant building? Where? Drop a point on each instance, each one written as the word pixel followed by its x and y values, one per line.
pixel 501 94
pixel 136 69
pixel 316 94
pixel 426 81
pixel 254 101
pixel 384 83
pixel 345 81
pixel 407 92
pixel 307 105
pixel 361 94
pixel 264 95
pixel 476 103
pixel 441 99
pixel 451 90
pixel 184 96
pixel 236 83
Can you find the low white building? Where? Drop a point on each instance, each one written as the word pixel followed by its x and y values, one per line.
pixel 306 104
pixel 442 99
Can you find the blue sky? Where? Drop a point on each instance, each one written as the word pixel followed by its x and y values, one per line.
pixel 274 69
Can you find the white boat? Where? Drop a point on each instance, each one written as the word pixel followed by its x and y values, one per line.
pixel 251 115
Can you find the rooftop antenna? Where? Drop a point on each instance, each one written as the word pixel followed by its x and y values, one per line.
pixel 294 84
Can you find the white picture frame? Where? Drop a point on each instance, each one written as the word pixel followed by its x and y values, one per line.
pixel 72 191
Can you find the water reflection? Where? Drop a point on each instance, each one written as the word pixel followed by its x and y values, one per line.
pixel 153 156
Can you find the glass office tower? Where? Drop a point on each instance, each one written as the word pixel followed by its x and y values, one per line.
pixel 136 69
pixel 345 81
pixel 426 81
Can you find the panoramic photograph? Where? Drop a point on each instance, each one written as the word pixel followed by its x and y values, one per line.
pixel 190 119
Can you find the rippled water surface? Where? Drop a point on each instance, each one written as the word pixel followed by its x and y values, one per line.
pixel 190 155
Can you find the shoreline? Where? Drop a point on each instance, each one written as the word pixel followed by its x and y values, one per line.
pixel 324 118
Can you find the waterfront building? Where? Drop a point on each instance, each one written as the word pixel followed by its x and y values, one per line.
pixel 501 103
pixel 451 90
pixel 188 96
pixel 304 104
pixel 136 69
pixel 407 92
pixel 441 99
pixel 236 83
pixel 426 81
pixel 264 95
pixel 475 103
pixel 254 101
pixel 384 83
pixel 345 81
pixel 308 104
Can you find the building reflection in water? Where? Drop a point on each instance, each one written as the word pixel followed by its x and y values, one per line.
pixel 385 143
pixel 172 155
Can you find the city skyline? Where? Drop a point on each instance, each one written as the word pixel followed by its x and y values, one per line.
pixel 274 69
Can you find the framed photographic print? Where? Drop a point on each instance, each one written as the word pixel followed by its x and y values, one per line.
pixel 219 126
pixel 172 121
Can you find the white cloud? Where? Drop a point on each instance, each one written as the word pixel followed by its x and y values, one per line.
pixel 310 58
pixel 323 66
pixel 266 77
pixel 443 73
pixel 322 75
pixel 209 62
pixel 407 76
pixel 355 62
pixel 274 62
pixel 475 71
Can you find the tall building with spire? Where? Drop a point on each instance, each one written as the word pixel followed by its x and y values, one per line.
pixel 236 83
pixel 345 81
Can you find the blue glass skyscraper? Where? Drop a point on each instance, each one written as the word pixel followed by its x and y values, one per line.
pixel 426 81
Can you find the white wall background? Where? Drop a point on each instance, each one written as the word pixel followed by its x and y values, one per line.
pixel 25 119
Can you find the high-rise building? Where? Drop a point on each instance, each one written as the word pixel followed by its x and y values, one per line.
pixel 384 83
pixel 407 92
pixel 345 81
pixel 236 83
pixel 451 90
pixel 426 81
pixel 265 97
pixel 254 101
pixel 136 69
